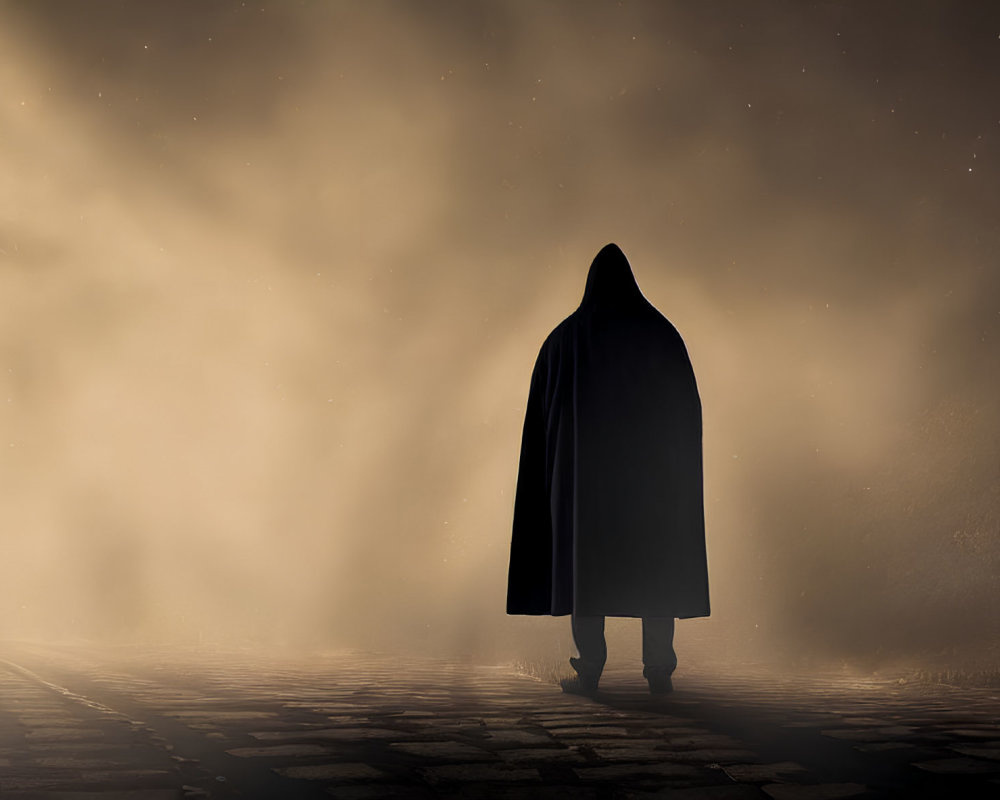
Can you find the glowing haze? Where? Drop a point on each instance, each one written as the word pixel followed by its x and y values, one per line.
pixel 273 277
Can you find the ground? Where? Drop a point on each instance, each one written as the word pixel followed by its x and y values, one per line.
pixel 152 724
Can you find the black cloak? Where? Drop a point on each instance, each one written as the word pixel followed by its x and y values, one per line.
pixel 609 516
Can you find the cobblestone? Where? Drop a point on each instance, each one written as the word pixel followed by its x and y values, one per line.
pixel 78 723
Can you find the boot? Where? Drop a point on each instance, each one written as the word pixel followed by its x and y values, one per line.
pixel 659 681
pixel 585 682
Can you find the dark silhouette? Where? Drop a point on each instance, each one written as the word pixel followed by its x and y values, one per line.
pixel 609 517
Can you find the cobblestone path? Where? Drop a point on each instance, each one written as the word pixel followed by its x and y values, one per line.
pixel 79 723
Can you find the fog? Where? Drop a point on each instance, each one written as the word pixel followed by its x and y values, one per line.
pixel 273 277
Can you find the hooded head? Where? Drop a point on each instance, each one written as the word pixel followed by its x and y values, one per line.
pixel 610 283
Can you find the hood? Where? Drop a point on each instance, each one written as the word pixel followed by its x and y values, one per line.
pixel 610 283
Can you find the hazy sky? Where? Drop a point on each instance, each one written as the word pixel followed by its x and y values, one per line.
pixel 273 277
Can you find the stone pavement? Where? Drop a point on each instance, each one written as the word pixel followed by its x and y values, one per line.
pixel 79 723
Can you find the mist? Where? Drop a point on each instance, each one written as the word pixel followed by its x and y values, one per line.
pixel 273 277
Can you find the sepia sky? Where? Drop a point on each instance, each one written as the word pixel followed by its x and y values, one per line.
pixel 273 277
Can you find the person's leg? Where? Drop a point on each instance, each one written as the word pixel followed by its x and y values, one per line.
pixel 592 652
pixel 658 656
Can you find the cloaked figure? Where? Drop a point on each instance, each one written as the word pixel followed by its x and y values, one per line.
pixel 609 514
